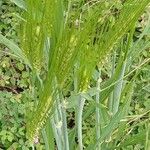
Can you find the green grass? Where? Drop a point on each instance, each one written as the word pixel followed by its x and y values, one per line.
pixel 83 61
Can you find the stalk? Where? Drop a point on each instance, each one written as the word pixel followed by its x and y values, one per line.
pixel 110 101
pixel 64 127
pixel 98 130
pixel 64 121
pixel 57 136
pixel 48 136
pixel 61 133
pixel 58 119
pixel 45 139
pixel 55 124
pixel 147 142
pixel 67 12
pixel 119 85
pixel 79 111
pixel 118 89
pixel 33 147
pixel 79 120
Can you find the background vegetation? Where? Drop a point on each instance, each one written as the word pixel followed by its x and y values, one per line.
pixel 116 99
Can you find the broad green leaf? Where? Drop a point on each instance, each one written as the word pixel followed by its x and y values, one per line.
pixel 20 3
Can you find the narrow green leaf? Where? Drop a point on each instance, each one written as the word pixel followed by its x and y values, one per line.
pixel 14 48
pixel 50 137
pixel 139 138
pixel 132 8
pixel 118 116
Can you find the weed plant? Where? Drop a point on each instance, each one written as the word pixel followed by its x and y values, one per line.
pixel 80 57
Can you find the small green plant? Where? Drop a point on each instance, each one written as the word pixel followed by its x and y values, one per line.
pixel 14 100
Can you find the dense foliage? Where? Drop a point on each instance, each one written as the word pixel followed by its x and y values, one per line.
pixel 81 79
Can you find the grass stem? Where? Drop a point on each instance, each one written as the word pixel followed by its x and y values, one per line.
pixel 118 89
pixel 64 126
pixel 98 130
pixel 79 121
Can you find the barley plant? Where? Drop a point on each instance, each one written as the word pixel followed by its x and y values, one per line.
pixel 79 54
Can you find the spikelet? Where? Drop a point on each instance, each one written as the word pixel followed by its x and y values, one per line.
pixel 40 118
pixel 37 51
pixel 66 59
pixel 132 8
pixel 33 32
pixel 83 86
pixel 46 98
